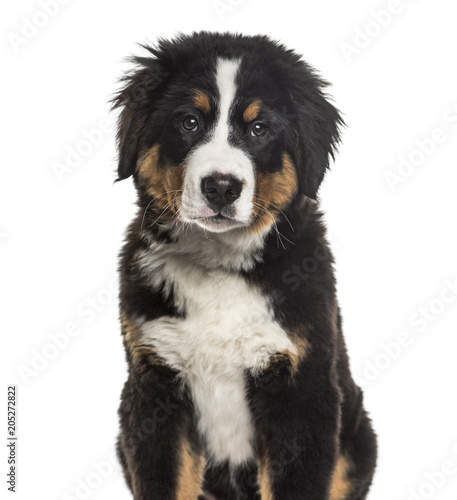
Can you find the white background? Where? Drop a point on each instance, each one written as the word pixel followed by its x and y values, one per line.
pixel 395 246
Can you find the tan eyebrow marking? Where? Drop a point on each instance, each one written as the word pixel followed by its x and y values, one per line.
pixel 202 102
pixel 252 111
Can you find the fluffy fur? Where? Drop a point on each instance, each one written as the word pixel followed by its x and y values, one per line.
pixel 239 384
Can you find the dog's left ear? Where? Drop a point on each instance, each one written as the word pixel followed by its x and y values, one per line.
pixel 317 133
pixel 137 99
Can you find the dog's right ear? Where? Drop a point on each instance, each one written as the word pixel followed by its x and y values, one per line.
pixel 137 99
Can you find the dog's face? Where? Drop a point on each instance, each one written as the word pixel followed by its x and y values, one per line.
pixel 224 131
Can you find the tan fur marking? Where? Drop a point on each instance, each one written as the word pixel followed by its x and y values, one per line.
pixel 288 357
pixel 163 184
pixel 151 175
pixel 341 485
pixel 133 342
pixel 296 357
pixel 190 477
pixel 274 192
pixel 174 180
pixel 264 481
pixel 252 111
pixel 202 101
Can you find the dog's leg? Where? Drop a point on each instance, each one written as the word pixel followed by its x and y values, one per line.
pixel 224 483
pixel 355 469
pixel 162 455
pixel 296 416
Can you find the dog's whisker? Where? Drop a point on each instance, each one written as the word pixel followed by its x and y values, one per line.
pixel 165 211
pixel 277 208
pixel 279 236
pixel 149 204
pixel 276 226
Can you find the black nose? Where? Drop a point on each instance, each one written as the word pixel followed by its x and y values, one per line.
pixel 221 190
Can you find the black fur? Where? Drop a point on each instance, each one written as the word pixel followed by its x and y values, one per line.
pixel 304 418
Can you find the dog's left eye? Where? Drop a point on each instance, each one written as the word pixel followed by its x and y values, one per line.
pixel 190 123
pixel 258 129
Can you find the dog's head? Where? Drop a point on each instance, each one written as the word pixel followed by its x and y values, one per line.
pixel 224 131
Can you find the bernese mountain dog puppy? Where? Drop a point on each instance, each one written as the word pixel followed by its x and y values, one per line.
pixel 239 384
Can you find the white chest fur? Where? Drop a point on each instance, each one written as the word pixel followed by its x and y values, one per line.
pixel 228 328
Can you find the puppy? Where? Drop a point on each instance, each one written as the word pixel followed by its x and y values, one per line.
pixel 239 384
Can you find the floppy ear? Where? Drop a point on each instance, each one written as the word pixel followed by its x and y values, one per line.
pixel 317 132
pixel 137 99
pixel 128 133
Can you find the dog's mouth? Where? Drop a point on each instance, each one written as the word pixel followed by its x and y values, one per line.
pixel 218 222
pixel 218 218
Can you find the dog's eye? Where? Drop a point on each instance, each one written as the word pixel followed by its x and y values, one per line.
pixel 190 123
pixel 258 129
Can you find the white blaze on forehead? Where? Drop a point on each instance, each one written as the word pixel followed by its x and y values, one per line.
pixel 226 72
pixel 217 155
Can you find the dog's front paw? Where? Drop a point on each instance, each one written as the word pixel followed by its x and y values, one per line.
pixel 280 370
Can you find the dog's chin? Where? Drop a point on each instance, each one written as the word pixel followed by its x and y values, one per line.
pixel 218 223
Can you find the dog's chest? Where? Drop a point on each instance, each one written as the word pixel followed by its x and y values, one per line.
pixel 228 329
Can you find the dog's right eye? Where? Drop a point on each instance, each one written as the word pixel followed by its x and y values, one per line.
pixel 190 124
